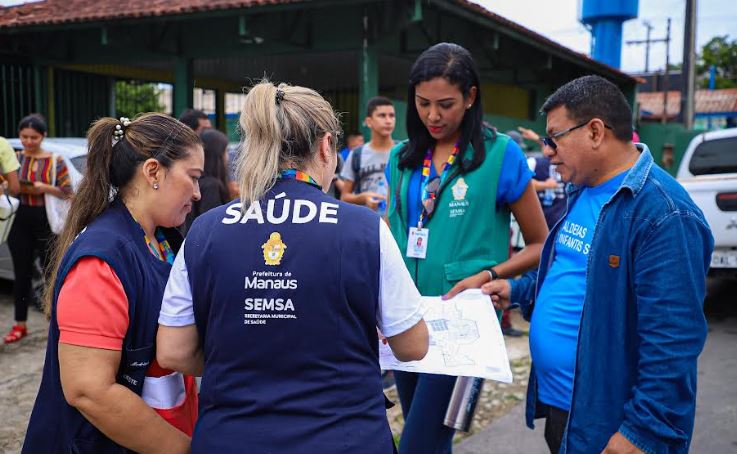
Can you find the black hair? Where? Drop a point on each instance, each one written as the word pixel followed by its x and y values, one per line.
pixel 455 64
pixel 35 122
pixel 590 97
pixel 215 144
pixel 349 135
pixel 192 117
pixel 375 102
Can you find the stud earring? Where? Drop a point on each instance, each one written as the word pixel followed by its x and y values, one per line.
pixel 156 185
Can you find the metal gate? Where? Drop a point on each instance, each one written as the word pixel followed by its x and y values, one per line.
pixel 17 96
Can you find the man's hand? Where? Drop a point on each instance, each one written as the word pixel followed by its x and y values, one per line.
pixel 551 183
pixel 618 444
pixel 371 199
pixel 499 290
pixel 528 134
pixel 475 281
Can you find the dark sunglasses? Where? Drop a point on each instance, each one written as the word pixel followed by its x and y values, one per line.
pixel 549 142
pixel 431 188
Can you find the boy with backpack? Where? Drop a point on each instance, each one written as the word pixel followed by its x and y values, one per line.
pixel 363 171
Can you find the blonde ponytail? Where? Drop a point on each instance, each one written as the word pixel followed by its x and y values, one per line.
pixel 258 164
pixel 281 126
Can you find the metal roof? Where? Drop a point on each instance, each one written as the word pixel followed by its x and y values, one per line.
pixel 58 12
pixel 77 11
pixel 706 102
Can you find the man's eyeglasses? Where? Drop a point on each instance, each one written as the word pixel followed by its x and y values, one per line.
pixel 548 140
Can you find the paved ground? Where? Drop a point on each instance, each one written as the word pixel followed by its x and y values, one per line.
pixel 716 417
pixel 716 402
pixel 21 365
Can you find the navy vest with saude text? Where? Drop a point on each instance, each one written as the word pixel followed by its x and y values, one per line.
pixel 55 426
pixel 285 298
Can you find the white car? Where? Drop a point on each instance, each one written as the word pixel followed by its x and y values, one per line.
pixel 74 152
pixel 708 171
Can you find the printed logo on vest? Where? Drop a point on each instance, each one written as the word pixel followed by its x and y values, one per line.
pixel 302 211
pixel 460 189
pixel 457 207
pixel 274 249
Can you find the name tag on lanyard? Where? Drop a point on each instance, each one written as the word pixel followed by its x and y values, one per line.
pixel 418 236
pixel 417 242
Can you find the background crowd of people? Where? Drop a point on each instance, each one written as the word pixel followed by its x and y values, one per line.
pixel 289 362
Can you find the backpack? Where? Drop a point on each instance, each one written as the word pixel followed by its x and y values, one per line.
pixel 356 166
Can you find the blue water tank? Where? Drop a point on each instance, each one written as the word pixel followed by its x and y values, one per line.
pixel 605 17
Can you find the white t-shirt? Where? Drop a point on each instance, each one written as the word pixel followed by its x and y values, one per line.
pixel 400 303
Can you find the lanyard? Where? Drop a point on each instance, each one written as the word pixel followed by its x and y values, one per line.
pixel 424 195
pixel 164 252
pixel 294 174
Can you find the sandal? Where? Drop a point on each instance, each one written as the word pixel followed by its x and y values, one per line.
pixel 17 332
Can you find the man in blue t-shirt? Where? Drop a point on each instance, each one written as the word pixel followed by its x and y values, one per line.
pixel 616 306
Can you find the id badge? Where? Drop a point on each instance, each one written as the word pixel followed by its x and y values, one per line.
pixel 417 243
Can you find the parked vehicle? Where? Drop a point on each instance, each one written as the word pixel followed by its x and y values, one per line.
pixel 708 171
pixel 74 152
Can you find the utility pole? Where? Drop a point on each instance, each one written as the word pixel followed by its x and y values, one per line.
pixel 666 84
pixel 689 65
pixel 649 28
pixel 648 42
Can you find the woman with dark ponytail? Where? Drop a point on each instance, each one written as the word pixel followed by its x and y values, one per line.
pixel 452 187
pixel 102 390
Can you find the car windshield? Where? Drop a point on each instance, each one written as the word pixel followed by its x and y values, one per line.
pixel 714 156
pixel 80 163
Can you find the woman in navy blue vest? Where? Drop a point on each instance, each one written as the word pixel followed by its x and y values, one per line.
pixel 279 296
pixel 102 391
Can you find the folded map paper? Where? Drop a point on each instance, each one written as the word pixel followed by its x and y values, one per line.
pixel 465 340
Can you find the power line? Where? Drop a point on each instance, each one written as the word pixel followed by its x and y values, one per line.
pixel 650 41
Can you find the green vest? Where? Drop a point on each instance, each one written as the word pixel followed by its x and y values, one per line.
pixel 466 232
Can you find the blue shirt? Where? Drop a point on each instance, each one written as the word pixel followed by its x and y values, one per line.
pixel 555 322
pixel 642 322
pixel 513 179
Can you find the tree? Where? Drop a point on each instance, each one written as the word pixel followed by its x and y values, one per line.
pixel 132 98
pixel 722 54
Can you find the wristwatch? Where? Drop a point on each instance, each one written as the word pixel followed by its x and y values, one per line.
pixel 492 274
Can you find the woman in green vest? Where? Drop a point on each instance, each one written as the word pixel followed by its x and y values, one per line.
pixel 451 188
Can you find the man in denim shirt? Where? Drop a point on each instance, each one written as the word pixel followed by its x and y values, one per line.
pixel 616 306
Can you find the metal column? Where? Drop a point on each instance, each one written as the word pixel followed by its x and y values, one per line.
pixel 220 122
pixel 183 85
pixel 368 84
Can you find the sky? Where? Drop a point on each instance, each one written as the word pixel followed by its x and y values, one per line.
pixel 558 20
